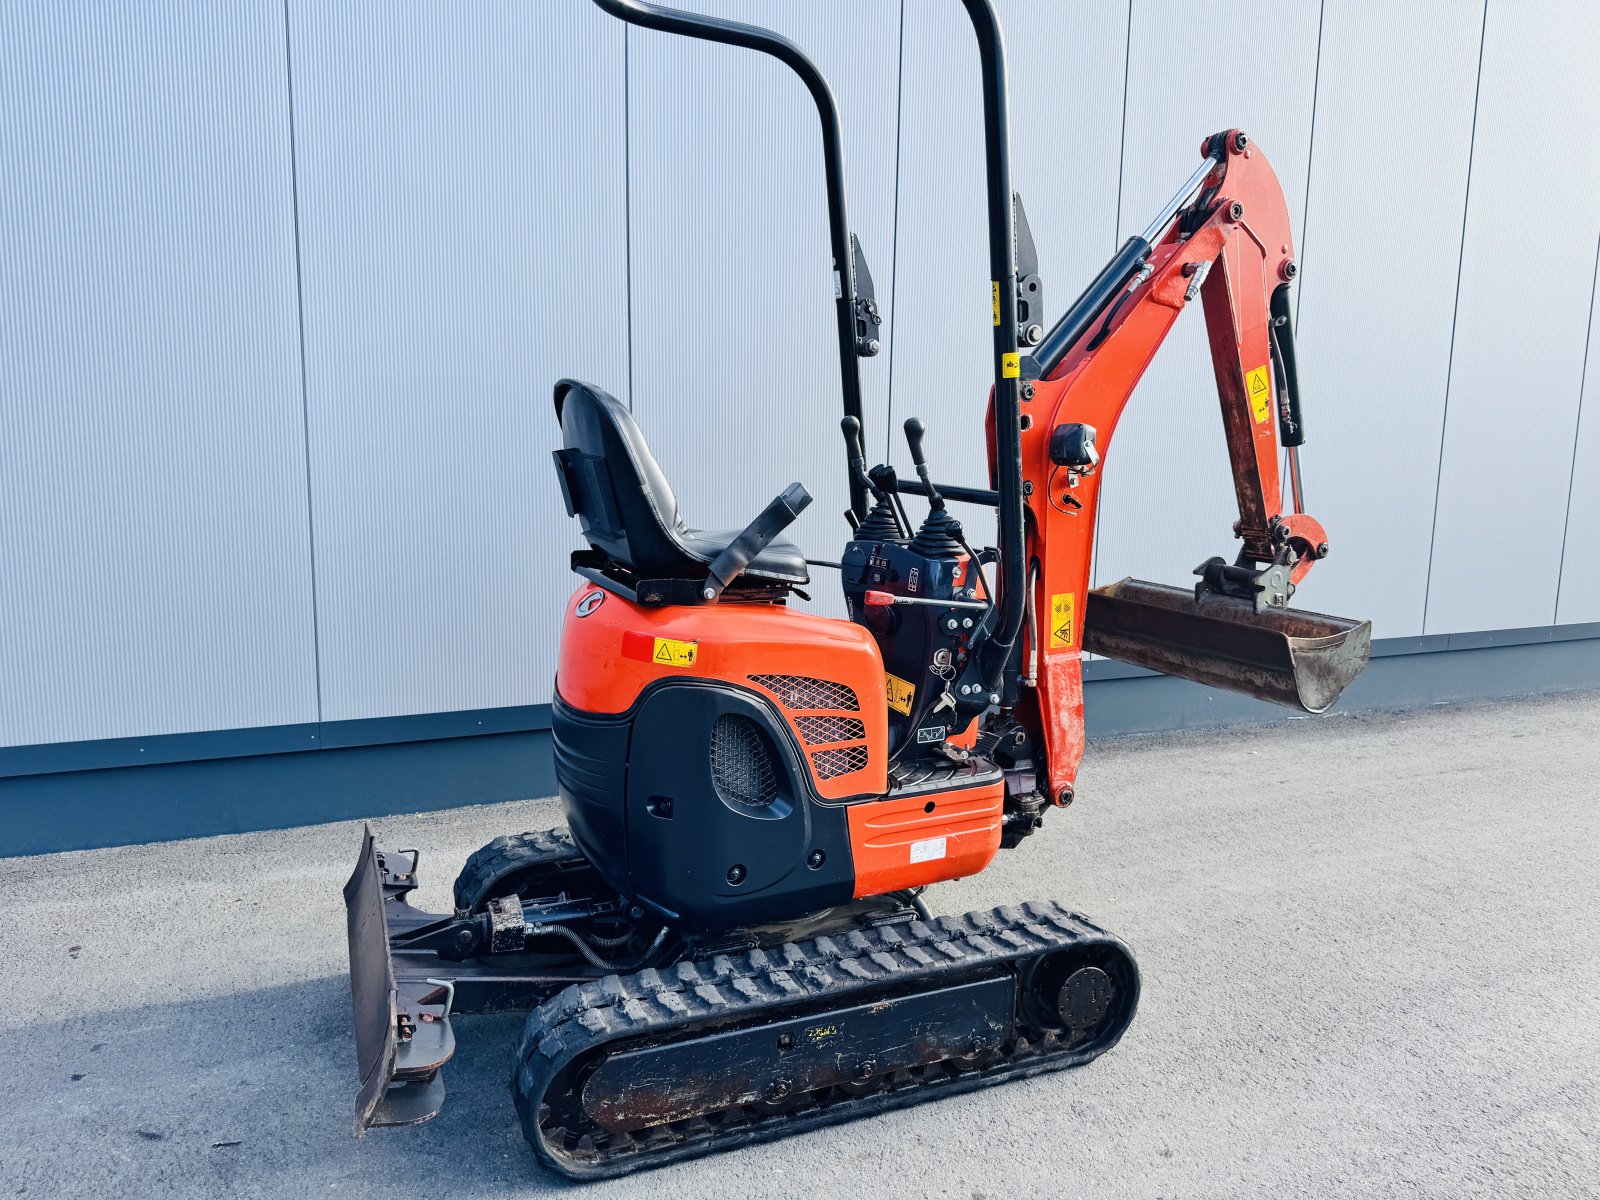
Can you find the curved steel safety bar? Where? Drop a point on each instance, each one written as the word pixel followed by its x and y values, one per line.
pixel 751 37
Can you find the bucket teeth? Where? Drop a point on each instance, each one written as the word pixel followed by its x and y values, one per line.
pixel 1285 656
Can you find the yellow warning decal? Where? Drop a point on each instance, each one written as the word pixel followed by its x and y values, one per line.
pixel 1063 616
pixel 1010 366
pixel 1258 387
pixel 670 653
pixel 900 693
pixel 995 283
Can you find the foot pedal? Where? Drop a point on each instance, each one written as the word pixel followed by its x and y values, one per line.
pixel 1285 656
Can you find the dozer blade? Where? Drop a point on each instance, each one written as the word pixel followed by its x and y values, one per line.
pixel 1283 655
pixel 403 1034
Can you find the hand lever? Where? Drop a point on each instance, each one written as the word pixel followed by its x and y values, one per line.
pixel 858 456
pixel 886 521
pixel 914 431
pixel 742 551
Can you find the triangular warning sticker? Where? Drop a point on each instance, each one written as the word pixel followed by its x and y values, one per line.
pixel 673 653
pixel 1063 613
pixel 1259 385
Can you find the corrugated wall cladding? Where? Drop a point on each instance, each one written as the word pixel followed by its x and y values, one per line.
pixel 1578 595
pixel 155 568
pixel 1380 249
pixel 1522 322
pixel 285 288
pixel 462 246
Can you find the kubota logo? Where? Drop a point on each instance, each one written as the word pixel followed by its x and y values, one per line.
pixel 590 602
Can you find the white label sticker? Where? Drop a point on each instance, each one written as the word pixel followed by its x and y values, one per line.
pixel 928 850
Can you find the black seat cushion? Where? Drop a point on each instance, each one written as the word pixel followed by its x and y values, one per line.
pixel 616 489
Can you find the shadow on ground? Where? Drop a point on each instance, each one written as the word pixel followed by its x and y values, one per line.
pixel 267 1083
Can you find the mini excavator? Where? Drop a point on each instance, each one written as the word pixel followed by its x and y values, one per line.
pixel 727 941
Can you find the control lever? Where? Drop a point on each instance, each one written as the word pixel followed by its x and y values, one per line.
pixel 742 551
pixel 883 523
pixel 940 535
pixel 915 430
pixel 858 456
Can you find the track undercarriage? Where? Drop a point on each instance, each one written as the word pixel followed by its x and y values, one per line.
pixel 643 1047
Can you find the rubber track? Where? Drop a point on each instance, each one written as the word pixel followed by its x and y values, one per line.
pixel 818 974
pixel 513 852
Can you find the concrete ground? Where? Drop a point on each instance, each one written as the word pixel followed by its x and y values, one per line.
pixel 1371 954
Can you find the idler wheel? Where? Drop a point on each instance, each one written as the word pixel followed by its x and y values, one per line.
pixel 1078 997
pixel 1084 1000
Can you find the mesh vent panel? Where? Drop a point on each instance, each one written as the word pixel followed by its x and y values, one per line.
pixel 741 765
pixel 818 731
pixel 801 691
pixel 832 763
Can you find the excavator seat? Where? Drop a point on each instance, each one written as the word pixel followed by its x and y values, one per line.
pixel 621 497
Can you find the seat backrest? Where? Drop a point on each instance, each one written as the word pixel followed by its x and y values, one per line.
pixel 615 488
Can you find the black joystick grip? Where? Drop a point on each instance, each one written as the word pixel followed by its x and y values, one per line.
pixel 882 524
pixel 914 431
pixel 852 445
pixel 857 455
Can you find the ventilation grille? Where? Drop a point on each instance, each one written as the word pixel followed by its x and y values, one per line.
pixel 832 763
pixel 801 692
pixel 819 731
pixel 741 764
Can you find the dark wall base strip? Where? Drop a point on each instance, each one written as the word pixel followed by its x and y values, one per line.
pixel 1145 702
pixel 108 753
pixel 85 809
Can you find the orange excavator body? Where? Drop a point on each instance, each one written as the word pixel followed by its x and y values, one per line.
pixel 728 939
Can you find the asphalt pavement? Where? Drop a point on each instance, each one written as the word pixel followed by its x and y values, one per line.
pixel 1370 948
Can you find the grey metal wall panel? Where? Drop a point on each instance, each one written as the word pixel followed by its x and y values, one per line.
pixel 1533 212
pixel 735 373
pixel 1579 595
pixel 1168 500
pixel 154 566
pixel 1379 254
pixel 461 176
pixel 464 224
pixel 1066 76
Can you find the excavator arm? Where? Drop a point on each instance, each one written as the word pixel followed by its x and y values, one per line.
pixel 1229 247
pixel 1245 294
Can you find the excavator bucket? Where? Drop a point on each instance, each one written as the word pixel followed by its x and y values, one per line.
pixel 1282 655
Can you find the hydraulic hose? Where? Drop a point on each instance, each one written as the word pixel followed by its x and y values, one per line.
pixel 590 956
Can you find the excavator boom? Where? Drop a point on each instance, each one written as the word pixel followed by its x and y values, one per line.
pixel 1227 244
